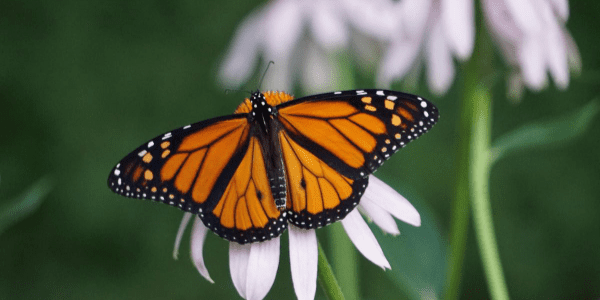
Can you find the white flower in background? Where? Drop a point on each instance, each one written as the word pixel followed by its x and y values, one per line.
pixel 253 266
pixel 435 31
pixel 530 33
pixel 276 31
pixel 534 41
pixel 304 36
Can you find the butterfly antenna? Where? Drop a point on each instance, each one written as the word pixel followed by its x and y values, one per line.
pixel 265 73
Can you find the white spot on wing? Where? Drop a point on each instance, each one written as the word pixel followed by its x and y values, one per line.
pixel 393 98
pixel 337 93
pixel 423 104
pixel 187 126
pixel 150 144
pixel 142 153
pixel 380 93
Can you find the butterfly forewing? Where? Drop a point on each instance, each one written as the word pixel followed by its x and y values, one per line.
pixel 356 131
pixel 185 166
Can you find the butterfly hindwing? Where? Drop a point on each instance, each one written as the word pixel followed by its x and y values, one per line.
pixel 318 195
pixel 246 211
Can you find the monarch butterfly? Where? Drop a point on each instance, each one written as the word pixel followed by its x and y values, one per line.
pixel 275 160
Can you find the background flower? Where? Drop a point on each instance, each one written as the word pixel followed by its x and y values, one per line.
pixel 534 41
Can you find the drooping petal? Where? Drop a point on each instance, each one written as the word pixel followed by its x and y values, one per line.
pixel 382 195
pixel 262 268
pixel 238 266
pixel 328 26
pixel 514 86
pixel 241 57
pixel 524 13
pixel 379 216
pixel 459 24
pixel 303 261
pixel 440 66
pixel 182 226
pixel 414 16
pixel 197 244
pixel 318 74
pixel 283 26
pixel 376 18
pixel 532 60
pixel 361 236
pixel 399 58
pixel 572 53
pixel 556 48
pixel 504 29
pixel 561 8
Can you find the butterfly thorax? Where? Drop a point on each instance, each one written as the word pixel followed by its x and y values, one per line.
pixel 262 116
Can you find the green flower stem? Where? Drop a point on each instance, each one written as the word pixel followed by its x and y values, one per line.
pixel 326 278
pixel 459 226
pixel 472 176
pixel 344 257
pixel 479 177
pixel 345 261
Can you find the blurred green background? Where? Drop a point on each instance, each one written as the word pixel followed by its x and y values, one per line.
pixel 82 83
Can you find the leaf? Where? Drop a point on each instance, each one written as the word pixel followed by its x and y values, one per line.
pixel 25 204
pixel 417 256
pixel 538 134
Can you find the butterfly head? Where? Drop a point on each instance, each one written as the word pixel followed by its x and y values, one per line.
pixel 258 100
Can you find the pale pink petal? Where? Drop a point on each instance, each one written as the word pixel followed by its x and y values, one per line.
pixel 367 52
pixel 184 222
pixel 382 195
pixel 379 216
pixel 515 86
pixel 399 58
pixel 532 60
pixel 283 26
pixel 572 53
pixel 262 268
pixel 561 8
pixel 524 13
pixel 197 244
pixel 500 24
pixel 375 18
pixel 459 24
pixel 238 266
pixel 327 25
pixel 319 74
pixel 440 66
pixel 556 48
pixel 414 16
pixel 241 57
pixel 303 261
pixel 360 234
